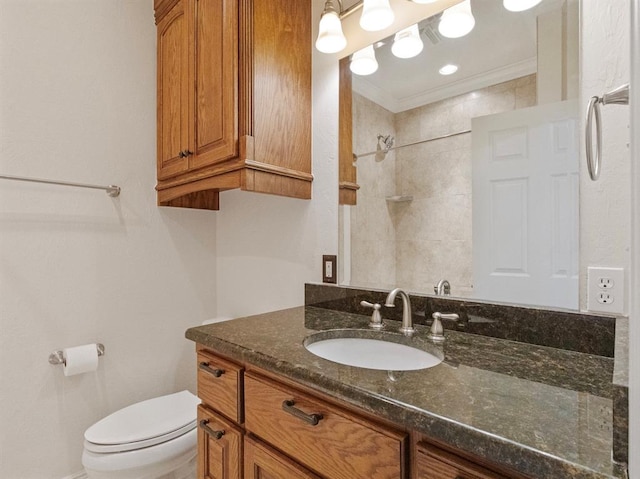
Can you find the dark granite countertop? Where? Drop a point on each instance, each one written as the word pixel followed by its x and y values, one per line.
pixel 544 412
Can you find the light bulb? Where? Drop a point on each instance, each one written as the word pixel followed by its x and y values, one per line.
pixel 363 62
pixel 457 21
pixel 519 5
pixel 330 36
pixel 376 15
pixel 424 1
pixel 407 43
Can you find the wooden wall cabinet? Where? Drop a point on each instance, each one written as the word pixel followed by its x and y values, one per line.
pixel 234 99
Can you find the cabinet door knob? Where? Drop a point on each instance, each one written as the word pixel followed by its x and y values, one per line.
pixel 313 419
pixel 216 372
pixel 204 426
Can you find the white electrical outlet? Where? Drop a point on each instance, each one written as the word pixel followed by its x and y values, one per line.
pixel 605 290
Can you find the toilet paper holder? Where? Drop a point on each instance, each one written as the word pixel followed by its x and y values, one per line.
pixel 57 357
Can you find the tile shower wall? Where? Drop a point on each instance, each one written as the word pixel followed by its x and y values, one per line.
pixel 436 225
pixel 373 235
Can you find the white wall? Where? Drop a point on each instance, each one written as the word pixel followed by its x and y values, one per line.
pixel 268 246
pixel 605 204
pixel 634 326
pixel 77 103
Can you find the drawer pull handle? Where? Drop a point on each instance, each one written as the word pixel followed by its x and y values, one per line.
pixel 216 434
pixel 216 372
pixel 288 406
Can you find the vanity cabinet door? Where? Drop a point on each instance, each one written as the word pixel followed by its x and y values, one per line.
pixel 433 463
pixel 261 462
pixel 329 440
pixel 219 447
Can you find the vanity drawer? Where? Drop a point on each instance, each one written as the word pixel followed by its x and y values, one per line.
pixel 341 445
pixel 434 463
pixel 220 385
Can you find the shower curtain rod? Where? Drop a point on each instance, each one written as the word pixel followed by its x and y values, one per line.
pixel 111 190
pixel 387 150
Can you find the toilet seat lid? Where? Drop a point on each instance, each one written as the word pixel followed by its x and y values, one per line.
pixel 146 421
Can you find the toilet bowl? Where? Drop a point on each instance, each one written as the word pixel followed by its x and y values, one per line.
pixel 153 439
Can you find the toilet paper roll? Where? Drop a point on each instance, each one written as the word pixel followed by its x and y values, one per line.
pixel 81 359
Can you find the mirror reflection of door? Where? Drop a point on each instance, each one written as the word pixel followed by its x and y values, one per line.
pixel 525 205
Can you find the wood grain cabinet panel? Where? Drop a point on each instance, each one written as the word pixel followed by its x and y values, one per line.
pixel 220 385
pixel 219 447
pixel 434 463
pixel 348 186
pixel 262 462
pixel 340 446
pixel 234 99
pixel 173 90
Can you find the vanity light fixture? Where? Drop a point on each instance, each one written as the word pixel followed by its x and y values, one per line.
pixel 407 42
pixel 424 1
pixel 376 15
pixel 448 69
pixel 331 39
pixel 363 62
pixel 519 5
pixel 457 21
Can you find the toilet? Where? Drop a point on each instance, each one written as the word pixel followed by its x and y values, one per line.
pixel 153 439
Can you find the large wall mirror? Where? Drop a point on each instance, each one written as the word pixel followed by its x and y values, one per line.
pixel 467 160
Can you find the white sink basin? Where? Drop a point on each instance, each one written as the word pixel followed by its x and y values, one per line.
pixel 369 353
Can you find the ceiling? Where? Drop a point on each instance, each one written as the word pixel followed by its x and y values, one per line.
pixel 502 46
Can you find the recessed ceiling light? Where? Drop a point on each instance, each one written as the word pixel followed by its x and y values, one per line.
pixel 448 69
pixel 520 5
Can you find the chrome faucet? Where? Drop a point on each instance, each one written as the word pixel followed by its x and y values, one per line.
pixel 407 320
pixel 442 288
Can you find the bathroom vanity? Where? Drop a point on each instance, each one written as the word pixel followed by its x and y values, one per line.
pixel 493 408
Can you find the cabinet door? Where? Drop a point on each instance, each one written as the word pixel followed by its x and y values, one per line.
pixel 219 447
pixel 173 90
pixel 260 462
pixel 433 463
pixel 215 83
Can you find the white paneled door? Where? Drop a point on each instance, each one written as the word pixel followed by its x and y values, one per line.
pixel 525 205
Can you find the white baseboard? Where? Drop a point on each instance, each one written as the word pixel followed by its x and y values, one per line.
pixel 77 475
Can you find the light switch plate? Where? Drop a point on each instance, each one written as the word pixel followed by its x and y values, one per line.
pixel 329 269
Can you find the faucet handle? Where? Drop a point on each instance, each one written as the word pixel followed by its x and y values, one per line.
pixel 376 318
pixel 437 331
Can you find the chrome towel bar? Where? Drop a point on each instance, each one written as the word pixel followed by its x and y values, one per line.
pixel 619 96
pixel 111 190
